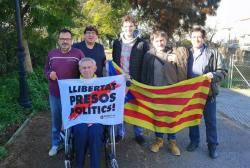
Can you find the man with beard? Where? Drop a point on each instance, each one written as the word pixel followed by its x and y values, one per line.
pixel 62 63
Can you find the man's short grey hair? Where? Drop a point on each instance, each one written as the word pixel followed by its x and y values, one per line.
pixel 85 59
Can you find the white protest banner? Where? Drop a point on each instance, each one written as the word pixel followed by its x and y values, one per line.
pixel 96 100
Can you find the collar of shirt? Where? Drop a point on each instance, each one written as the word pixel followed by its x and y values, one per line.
pixel 82 77
pixel 199 52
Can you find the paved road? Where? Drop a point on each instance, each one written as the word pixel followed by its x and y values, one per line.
pixel 235 105
pixel 30 148
pixel 234 150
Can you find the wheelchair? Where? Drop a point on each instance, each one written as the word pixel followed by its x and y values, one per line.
pixel 109 147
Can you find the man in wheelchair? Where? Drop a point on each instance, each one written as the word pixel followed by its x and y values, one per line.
pixel 88 135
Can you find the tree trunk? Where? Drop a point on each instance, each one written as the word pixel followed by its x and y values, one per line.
pixel 27 60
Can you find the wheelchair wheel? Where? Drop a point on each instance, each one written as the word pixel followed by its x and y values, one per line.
pixel 111 162
pixel 109 140
pixel 69 148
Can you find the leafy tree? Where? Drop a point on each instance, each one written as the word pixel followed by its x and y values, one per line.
pixel 175 15
pixel 43 19
pixel 105 15
pixel 40 20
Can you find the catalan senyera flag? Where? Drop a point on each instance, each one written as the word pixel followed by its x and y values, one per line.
pixel 165 109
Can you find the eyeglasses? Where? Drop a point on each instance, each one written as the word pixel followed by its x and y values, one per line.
pixel 65 39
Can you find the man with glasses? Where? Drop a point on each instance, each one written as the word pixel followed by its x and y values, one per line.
pixel 62 63
pixel 92 49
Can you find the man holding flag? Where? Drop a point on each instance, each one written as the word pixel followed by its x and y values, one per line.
pixel 161 67
pixel 205 60
pixel 128 52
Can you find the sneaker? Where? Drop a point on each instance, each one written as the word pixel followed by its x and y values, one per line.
pixel 192 147
pixel 140 140
pixel 155 147
pixel 53 151
pixel 212 151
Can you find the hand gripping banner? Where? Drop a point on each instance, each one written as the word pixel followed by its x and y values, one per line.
pixel 96 100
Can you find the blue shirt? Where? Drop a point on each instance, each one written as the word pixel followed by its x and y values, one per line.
pixel 96 53
pixel 197 62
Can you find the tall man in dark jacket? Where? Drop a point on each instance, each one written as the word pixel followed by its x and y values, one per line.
pixel 128 52
pixel 205 60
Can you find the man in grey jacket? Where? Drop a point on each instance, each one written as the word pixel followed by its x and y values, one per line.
pixel 205 60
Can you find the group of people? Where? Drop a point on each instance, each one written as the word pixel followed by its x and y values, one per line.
pixel 153 64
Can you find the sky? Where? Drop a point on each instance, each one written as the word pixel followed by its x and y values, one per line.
pixel 230 14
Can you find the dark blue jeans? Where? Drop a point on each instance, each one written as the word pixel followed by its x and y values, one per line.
pixel 170 136
pixel 88 137
pixel 209 114
pixel 121 130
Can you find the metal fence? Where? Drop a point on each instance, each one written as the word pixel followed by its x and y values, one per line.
pixel 238 62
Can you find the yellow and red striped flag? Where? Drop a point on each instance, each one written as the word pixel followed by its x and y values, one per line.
pixel 166 109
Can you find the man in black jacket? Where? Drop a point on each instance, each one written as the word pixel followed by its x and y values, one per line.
pixel 205 60
pixel 128 52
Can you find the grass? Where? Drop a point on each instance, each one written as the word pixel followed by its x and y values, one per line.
pixel 12 114
pixel 3 152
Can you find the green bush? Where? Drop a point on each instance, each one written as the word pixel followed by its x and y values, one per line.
pixel 38 87
pixel 3 152
pixel 11 112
